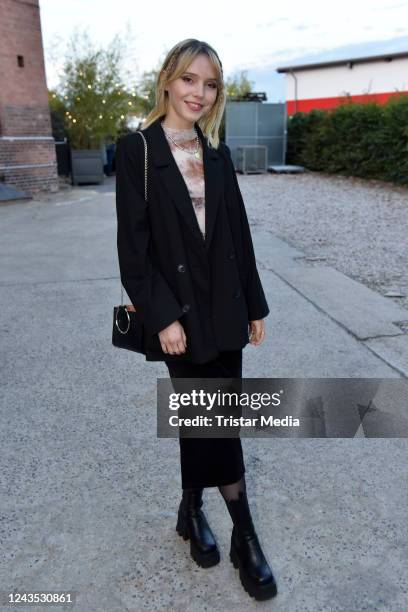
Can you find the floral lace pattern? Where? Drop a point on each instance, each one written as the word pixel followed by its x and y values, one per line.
pixel 191 168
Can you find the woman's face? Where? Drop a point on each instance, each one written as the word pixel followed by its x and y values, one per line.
pixel 192 94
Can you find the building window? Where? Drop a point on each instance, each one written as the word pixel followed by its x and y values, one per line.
pixel 20 61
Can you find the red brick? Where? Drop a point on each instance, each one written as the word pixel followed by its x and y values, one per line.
pixel 24 109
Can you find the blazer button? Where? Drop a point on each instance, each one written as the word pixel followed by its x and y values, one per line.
pixel 232 255
pixel 237 294
pixel 186 307
pixel 181 268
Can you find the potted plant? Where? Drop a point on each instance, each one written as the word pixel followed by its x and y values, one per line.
pixel 95 104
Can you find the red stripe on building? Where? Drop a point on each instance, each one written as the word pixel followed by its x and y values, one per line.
pixel 305 106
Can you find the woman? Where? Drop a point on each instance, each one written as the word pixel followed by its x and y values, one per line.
pixel 188 265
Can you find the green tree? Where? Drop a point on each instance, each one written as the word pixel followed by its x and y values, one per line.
pixel 238 85
pixel 147 91
pixel 92 95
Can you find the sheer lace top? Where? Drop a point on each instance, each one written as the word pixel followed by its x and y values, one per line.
pixel 190 167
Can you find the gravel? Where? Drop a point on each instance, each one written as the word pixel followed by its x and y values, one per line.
pixel 359 226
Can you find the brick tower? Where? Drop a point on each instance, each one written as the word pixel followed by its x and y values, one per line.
pixel 27 149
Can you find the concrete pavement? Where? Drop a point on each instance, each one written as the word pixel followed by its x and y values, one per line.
pixel 89 494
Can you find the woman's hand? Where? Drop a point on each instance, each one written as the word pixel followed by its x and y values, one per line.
pixel 256 332
pixel 173 339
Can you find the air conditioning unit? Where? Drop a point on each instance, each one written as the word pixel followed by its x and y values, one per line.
pixel 252 158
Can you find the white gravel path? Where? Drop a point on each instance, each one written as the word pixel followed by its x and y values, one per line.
pixel 359 226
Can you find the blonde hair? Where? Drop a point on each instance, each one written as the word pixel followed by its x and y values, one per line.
pixel 175 63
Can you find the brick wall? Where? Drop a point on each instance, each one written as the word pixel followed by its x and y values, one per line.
pixel 27 150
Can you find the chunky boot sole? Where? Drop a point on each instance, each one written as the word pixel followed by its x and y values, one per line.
pixel 259 591
pixel 202 559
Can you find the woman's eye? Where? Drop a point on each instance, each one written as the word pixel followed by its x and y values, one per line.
pixel 189 80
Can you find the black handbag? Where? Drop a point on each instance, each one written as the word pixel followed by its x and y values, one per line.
pixel 128 331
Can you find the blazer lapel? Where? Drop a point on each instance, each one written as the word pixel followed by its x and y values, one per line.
pixel 161 156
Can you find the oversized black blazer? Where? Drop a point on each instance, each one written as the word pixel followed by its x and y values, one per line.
pixel 168 270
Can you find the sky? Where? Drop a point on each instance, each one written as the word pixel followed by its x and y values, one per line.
pixel 257 36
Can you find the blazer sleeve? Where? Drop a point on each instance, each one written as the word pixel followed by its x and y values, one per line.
pixel 145 285
pixel 254 294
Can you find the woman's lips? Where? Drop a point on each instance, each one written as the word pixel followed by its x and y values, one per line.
pixel 194 107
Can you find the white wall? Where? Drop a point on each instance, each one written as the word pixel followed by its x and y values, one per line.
pixel 334 81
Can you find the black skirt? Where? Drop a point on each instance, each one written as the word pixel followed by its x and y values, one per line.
pixel 210 462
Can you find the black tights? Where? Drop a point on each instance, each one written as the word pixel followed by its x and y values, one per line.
pixel 231 491
pixel 236 500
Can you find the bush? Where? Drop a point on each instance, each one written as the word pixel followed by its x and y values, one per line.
pixel 364 140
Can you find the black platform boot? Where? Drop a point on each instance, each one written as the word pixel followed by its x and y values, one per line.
pixel 192 524
pixel 246 553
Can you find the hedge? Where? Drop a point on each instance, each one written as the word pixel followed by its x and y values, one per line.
pixel 365 140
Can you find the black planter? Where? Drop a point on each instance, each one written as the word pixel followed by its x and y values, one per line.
pixel 86 166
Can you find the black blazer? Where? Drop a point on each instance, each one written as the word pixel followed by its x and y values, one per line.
pixel 169 272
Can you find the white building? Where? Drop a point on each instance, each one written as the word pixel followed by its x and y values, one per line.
pixel 326 85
